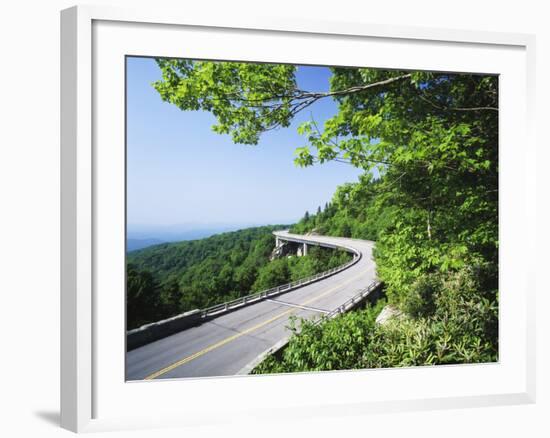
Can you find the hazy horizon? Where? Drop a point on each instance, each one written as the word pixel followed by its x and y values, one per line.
pixel 141 231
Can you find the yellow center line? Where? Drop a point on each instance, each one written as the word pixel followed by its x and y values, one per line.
pixel 244 332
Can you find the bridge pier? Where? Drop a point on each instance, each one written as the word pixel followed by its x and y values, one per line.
pixel 302 249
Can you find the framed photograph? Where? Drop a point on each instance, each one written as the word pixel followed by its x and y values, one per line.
pixel 295 217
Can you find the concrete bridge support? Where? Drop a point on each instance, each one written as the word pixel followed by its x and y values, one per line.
pixel 285 247
pixel 302 249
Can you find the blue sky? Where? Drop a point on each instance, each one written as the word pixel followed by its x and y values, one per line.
pixel 180 173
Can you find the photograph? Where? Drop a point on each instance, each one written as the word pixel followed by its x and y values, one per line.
pixel 288 218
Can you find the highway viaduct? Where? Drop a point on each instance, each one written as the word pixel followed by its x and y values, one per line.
pixel 232 342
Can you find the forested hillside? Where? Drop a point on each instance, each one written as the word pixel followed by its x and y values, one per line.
pixel 352 212
pixel 172 278
pixel 428 144
pixel 443 313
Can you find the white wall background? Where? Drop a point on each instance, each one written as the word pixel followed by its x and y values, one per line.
pixel 29 216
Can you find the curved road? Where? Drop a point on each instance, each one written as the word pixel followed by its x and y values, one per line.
pixel 228 343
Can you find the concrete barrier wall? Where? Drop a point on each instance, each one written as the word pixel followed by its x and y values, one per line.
pixel 160 329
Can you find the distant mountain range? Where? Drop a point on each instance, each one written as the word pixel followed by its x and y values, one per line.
pixel 133 244
pixel 143 237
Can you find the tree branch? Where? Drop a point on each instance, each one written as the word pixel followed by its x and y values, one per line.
pixel 306 96
pixel 356 89
pixel 451 108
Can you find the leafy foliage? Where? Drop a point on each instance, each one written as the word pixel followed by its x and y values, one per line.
pixel 352 212
pixel 338 344
pixel 143 299
pixel 293 268
pixel 240 95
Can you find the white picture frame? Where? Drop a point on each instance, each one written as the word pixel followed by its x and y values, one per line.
pixel 93 396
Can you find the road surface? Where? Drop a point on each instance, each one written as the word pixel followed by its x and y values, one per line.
pixel 226 344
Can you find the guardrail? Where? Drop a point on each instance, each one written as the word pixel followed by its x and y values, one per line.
pixel 262 295
pixel 352 302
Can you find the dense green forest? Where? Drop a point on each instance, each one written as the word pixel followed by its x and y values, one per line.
pixel 428 145
pixel 171 278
